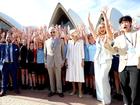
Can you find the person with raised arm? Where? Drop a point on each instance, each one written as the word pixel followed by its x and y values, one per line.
pixel 90 50
pixel 127 45
pixel 103 59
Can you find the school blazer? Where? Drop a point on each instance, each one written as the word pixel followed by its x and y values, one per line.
pixel 15 52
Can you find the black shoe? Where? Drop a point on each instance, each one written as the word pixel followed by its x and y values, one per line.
pixel 61 94
pixel 118 97
pixel 51 94
pixel 94 94
pixel 40 87
pixel 2 93
pixel 17 91
pixel 90 91
pixel 64 88
pixel 10 88
pixel 86 90
pixel 26 86
pixel 29 87
pixel 34 87
pixel 22 86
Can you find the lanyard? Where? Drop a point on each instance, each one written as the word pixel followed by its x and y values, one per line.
pixel 131 42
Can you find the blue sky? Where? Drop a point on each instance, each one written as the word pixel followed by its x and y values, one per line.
pixel 38 12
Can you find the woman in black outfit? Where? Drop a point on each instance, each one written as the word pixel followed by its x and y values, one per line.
pixel 31 65
pixel 23 64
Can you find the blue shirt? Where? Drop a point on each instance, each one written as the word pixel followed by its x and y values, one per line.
pixel 90 50
pixel 40 56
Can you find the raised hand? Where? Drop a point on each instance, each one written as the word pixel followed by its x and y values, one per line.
pixel 107 25
pixel 89 17
pixel 91 27
pixel 104 10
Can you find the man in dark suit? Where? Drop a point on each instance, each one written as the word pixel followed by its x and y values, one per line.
pixel 9 55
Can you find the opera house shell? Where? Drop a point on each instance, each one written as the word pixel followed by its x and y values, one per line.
pixel 113 16
pixel 7 22
pixel 63 17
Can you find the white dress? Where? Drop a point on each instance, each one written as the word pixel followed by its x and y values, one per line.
pixel 74 56
pixel 102 64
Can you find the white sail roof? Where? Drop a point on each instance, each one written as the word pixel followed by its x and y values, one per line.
pixel 61 13
pixel 113 16
pixel 10 21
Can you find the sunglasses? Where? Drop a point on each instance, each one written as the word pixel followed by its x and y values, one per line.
pixel 52 32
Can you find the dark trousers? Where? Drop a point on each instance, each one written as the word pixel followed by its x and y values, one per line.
pixel 128 79
pixel 138 89
pixel 9 68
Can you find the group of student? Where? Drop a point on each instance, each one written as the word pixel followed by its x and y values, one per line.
pixel 76 57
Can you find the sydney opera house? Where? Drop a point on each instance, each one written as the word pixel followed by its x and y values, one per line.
pixel 63 17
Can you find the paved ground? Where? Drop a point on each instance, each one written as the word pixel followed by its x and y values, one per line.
pixel 35 97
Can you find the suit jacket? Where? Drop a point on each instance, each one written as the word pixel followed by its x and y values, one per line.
pixel 54 56
pixel 121 44
pixel 15 52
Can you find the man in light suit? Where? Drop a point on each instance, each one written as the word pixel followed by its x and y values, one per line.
pixel 127 45
pixel 9 55
pixel 54 60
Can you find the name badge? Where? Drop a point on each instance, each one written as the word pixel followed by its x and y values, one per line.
pixel 132 50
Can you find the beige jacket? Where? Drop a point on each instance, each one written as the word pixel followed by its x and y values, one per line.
pixel 120 47
pixel 54 57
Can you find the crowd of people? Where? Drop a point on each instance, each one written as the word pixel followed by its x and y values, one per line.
pixel 100 63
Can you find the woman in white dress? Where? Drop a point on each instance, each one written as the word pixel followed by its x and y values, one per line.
pixel 103 60
pixel 75 61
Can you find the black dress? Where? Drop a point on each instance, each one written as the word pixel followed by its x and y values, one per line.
pixel 23 57
pixel 30 57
